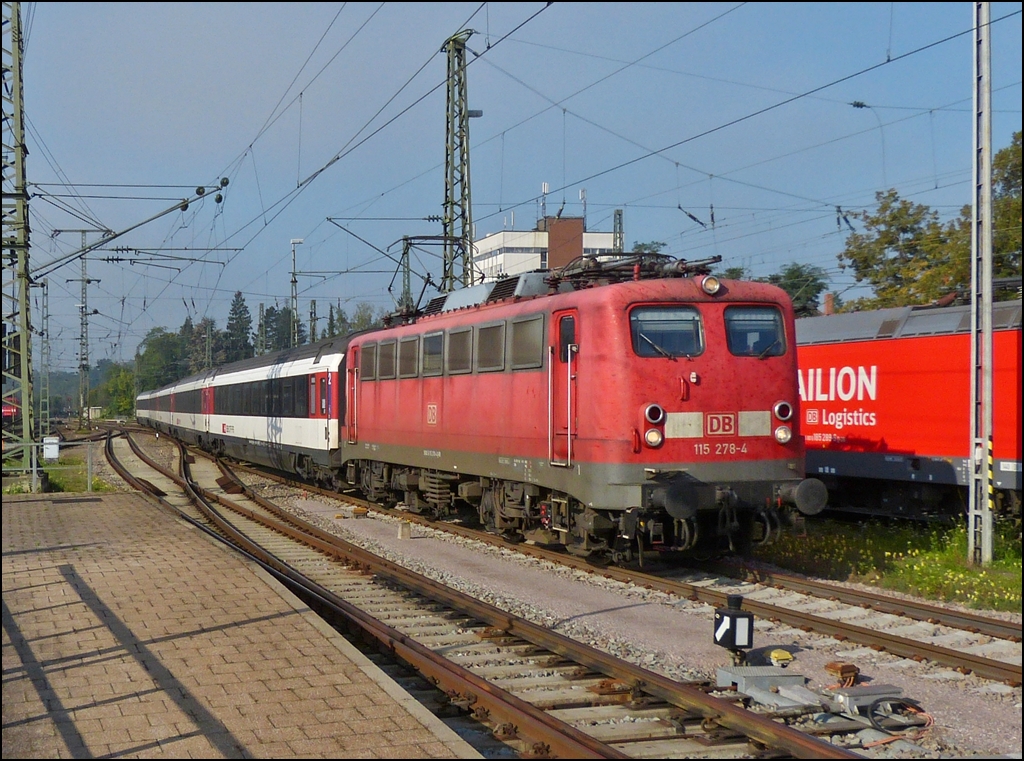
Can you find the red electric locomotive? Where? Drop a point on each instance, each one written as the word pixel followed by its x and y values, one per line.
pixel 886 405
pixel 611 408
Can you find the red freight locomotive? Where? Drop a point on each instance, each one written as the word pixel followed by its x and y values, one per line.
pixel 886 403
pixel 611 408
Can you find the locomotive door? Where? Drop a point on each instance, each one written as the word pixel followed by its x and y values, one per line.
pixel 562 403
pixel 351 366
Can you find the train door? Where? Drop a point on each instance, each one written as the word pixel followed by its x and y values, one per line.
pixel 351 390
pixel 562 370
pixel 205 408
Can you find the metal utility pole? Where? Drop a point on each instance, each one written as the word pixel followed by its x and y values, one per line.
pixel 312 321
pixel 458 214
pixel 17 325
pixel 618 237
pixel 294 341
pixel 979 528
pixel 44 365
pixel 83 336
pixel 261 334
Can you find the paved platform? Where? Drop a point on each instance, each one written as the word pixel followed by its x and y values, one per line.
pixel 128 633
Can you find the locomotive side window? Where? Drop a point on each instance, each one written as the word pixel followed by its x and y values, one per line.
pixel 666 331
pixel 368 362
pixel 490 348
pixel 754 331
pixel 408 357
pixel 460 351
pixel 433 354
pixel 566 336
pixel 386 360
pixel 528 342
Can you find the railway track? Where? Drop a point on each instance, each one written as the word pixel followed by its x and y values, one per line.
pixel 969 643
pixel 538 691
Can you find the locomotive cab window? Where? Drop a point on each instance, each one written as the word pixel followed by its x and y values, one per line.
pixel 755 332
pixel 664 331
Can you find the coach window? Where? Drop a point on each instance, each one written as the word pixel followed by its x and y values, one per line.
pixel 528 342
pixel 323 396
pixel 433 353
pixel 287 397
pixel 460 351
pixel 368 362
pixel 386 360
pixel 666 331
pixel 755 332
pixel 490 348
pixel 408 357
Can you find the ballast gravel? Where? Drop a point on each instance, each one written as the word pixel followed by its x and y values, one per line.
pixel 972 717
pixel 673 636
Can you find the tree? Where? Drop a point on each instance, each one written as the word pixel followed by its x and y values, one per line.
pixel 734 273
pixel 653 247
pixel 901 243
pixel 238 332
pixel 206 349
pixel 804 283
pixel 1006 210
pixel 161 359
pixel 120 392
pixel 365 317
pixel 909 257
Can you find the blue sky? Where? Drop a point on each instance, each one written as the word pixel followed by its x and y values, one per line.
pixel 317 110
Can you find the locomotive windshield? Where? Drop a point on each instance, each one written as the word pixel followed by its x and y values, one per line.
pixel 666 331
pixel 754 332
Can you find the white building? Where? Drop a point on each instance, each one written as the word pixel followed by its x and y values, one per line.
pixel 554 243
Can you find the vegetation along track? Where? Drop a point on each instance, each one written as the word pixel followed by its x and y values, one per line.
pixel 970 643
pixel 539 691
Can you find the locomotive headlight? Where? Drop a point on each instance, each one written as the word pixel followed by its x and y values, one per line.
pixel 654 414
pixel 710 285
pixel 783 410
pixel 654 437
pixel 783 434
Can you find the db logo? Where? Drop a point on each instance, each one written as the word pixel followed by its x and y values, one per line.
pixel 223 427
pixel 431 414
pixel 721 424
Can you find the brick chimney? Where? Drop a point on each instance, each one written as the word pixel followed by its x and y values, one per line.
pixel 830 304
pixel 565 240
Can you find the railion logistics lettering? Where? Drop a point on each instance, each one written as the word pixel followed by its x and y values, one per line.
pixel 842 383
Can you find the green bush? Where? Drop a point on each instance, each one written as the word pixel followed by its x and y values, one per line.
pixel 928 561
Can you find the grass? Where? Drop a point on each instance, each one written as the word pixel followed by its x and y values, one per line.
pixel 927 561
pixel 70 474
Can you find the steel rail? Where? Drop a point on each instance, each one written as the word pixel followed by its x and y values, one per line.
pixel 715 710
pixel 920 611
pixel 552 735
pixel 987 668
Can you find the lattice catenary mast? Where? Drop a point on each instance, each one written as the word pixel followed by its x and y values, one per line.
pixel 17 325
